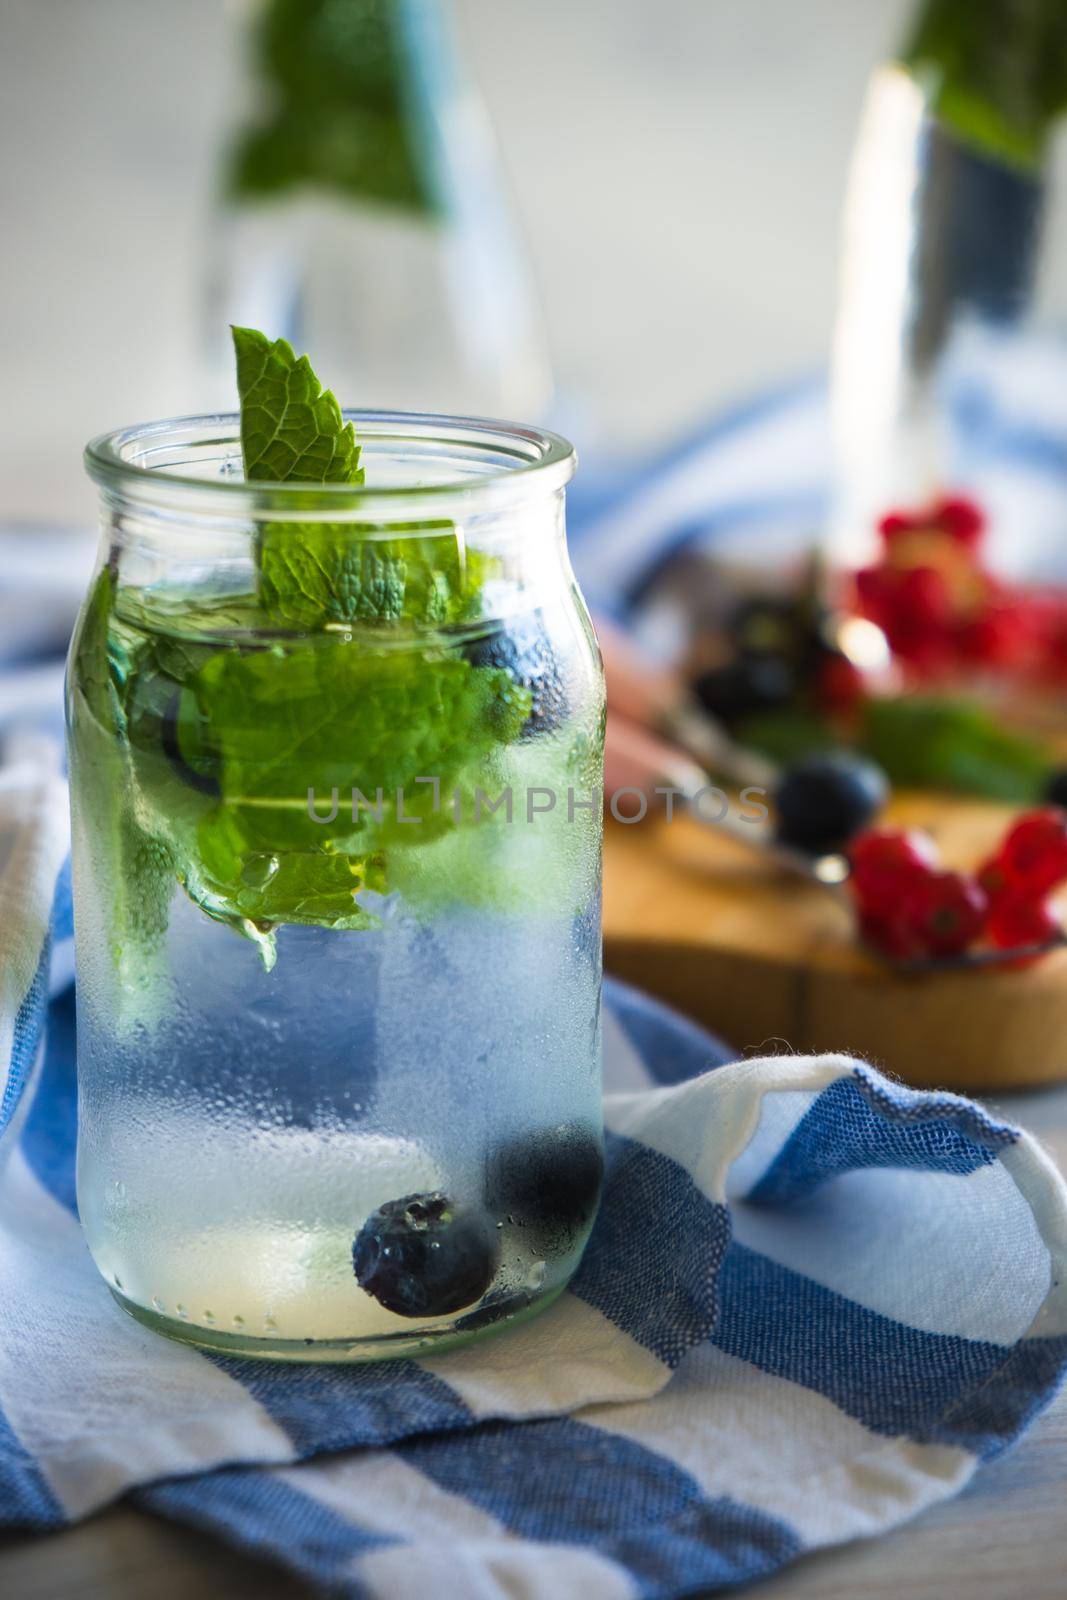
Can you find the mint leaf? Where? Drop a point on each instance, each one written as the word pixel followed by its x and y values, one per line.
pixel 996 73
pixel 342 714
pixel 134 868
pixel 315 574
pixel 934 743
pixel 338 106
pixel 333 717
pixel 291 428
pixel 197 739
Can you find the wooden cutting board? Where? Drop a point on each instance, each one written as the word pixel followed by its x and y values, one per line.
pixel 770 962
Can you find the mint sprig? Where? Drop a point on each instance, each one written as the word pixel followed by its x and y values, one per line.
pixel 292 430
pixel 337 106
pixel 995 72
pixel 213 715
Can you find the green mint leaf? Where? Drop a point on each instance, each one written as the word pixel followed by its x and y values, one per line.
pixel 934 743
pixel 995 72
pixel 333 716
pixel 213 736
pixel 292 430
pixel 342 715
pixel 339 106
pixel 135 867
pixel 314 574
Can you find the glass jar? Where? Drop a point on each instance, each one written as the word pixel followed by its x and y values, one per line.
pixel 336 760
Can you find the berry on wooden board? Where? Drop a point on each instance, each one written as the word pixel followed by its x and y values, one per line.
pixel 909 909
pixel 1034 853
pixel 823 801
pixel 886 862
pixel 1016 921
pixel 947 912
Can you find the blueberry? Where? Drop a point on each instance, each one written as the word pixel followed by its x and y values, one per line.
pixel 201 778
pixel 524 649
pixel 751 684
pixel 823 801
pixel 424 1257
pixel 1056 787
pixel 549 1180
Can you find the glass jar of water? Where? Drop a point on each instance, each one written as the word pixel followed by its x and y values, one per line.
pixel 335 759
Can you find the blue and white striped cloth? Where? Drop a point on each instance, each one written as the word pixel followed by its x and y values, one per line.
pixel 814 1303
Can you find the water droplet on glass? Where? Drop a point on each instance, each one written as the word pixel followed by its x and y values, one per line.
pixel 157 1303
pixel 238 1321
pixel 182 1312
pixel 258 870
pixel 209 1318
pixel 535 1277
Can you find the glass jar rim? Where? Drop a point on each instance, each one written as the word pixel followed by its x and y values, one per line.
pixel 514 460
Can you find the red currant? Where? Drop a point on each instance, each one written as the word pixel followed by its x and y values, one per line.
pixel 1017 920
pixel 946 911
pixel 924 599
pixel 998 638
pixel 840 685
pixel 890 935
pixel 1034 853
pixel 886 863
pixel 992 878
pixel 961 517
pixel 875 593
pixel 895 522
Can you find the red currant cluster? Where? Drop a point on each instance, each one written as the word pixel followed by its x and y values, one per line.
pixel 910 907
pixel 943 612
pixel 937 605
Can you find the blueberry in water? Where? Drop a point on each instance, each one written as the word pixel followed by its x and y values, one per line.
pixel 824 800
pixel 424 1257
pixel 170 737
pixel 549 1179
pixel 523 648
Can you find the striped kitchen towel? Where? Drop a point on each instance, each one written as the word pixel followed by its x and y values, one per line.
pixel 813 1304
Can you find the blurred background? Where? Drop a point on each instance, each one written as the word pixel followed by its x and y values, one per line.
pixel 676 173
pixel 782 272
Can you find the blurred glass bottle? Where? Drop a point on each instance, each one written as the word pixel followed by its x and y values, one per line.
pixel 949 347
pixel 363 214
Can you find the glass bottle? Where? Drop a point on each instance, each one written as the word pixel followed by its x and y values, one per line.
pixel 950 360
pixel 364 212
